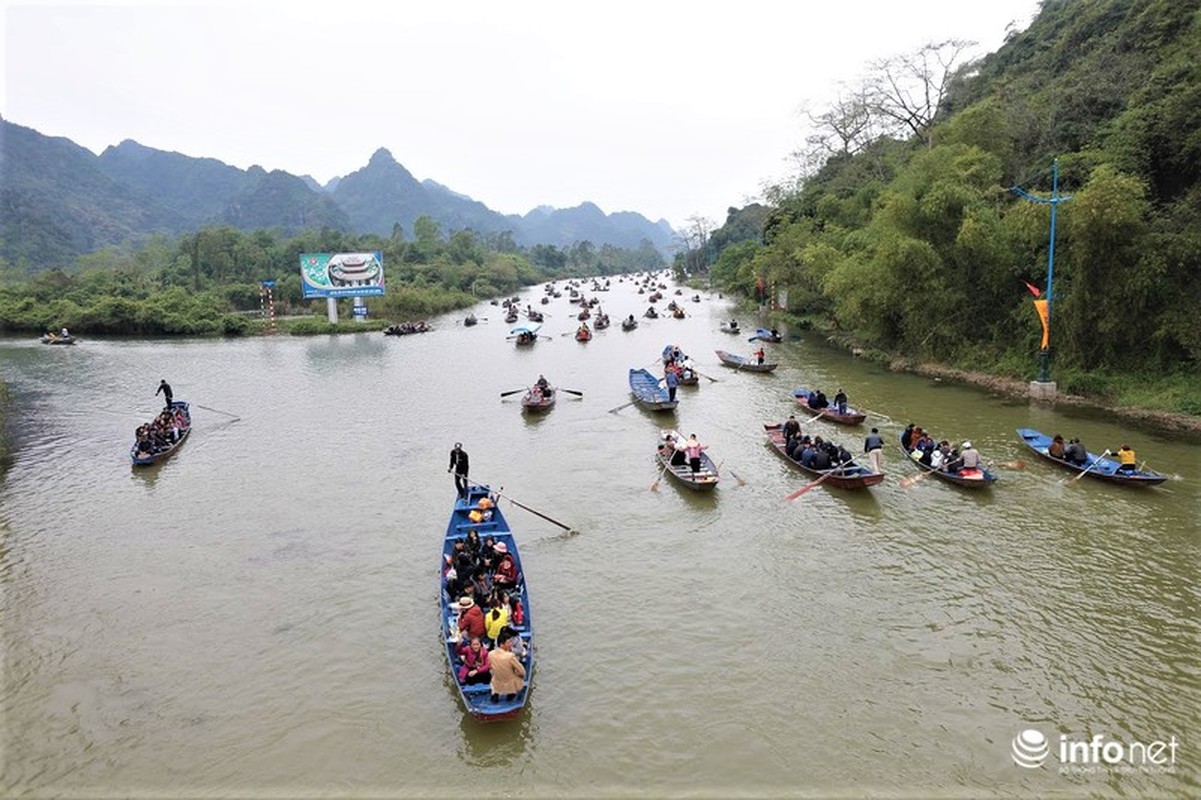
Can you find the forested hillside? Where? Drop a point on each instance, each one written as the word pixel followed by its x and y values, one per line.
pixel 905 234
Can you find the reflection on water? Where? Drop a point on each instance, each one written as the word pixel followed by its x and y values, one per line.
pixel 258 614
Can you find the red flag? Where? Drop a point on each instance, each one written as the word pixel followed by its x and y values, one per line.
pixel 1033 289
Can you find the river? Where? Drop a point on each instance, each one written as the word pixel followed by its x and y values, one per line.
pixel 256 616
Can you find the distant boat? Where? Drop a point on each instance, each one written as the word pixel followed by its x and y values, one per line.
pixel 583 335
pixel 648 393
pixel 54 338
pixel 471 320
pixel 478 697
pixel 629 324
pixel 730 327
pixel 535 401
pixel 525 334
pixel 743 363
pixel 851 417
pixel 764 335
pixel 1102 469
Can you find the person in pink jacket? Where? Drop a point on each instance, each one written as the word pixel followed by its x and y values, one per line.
pixel 476 667
pixel 692 449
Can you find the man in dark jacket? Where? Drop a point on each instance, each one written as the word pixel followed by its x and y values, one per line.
pixel 165 388
pixel 873 445
pixel 458 467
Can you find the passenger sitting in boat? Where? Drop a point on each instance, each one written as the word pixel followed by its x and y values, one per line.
pixel 496 619
pixel 821 459
pixel 775 334
pixel 505 576
pixel 667 445
pixel 969 458
pixel 840 401
pixel 508 674
pixel 475 667
pixel 472 543
pixel 679 458
pixel 822 402
pixel 1075 452
pixel 471 619
pixel 516 611
pixel 1127 459
pixel 481 581
pixel 1056 448
pixel 543 386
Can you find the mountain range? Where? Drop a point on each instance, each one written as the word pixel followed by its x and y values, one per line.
pixel 59 200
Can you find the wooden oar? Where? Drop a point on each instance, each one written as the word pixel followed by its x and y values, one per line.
pixel 620 407
pixel 730 470
pixel 515 391
pixel 533 511
pixel 1019 464
pixel 703 375
pixel 910 480
pixel 1096 461
pixel 827 474
pixel 226 413
pixel 655 485
pixel 573 391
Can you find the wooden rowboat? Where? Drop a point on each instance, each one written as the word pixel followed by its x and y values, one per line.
pixel 848 476
pixel 764 335
pixel 648 393
pixel 478 697
pixel 1095 466
pixel 535 402
pixel 141 459
pixel 743 363
pixel 704 480
pixel 980 478
pixel 852 417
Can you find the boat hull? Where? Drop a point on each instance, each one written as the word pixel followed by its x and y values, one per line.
pixel 535 403
pixel 647 392
pixel 981 478
pixel 742 363
pixel 854 477
pixel 163 455
pixel 1106 469
pixel 705 480
pixel 852 417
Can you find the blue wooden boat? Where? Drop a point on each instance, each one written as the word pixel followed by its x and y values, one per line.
pixel 743 363
pixel 648 393
pixel 478 697
pixel 525 334
pixel 980 478
pixel 140 459
pixel 765 335
pixel 1100 467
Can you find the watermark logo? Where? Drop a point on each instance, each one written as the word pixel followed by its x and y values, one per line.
pixel 1030 749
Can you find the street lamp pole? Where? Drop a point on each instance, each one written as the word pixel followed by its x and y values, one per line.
pixel 1044 355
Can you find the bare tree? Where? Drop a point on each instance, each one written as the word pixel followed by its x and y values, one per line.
pixel 907 90
pixel 846 127
pixel 694 241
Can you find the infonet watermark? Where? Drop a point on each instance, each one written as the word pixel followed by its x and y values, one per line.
pixel 1031 749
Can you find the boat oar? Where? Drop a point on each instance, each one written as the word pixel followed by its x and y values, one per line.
pixel 1085 471
pixel 620 407
pixel 655 485
pixel 573 391
pixel 703 375
pixel 809 486
pixel 515 391
pixel 913 479
pixel 533 511
pixel 753 339
pixel 730 470
pixel 226 413
pixel 1019 464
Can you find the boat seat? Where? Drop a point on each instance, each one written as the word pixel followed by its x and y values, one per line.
pixel 479 526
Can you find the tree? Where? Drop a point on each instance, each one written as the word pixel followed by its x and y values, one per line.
pixel 907 90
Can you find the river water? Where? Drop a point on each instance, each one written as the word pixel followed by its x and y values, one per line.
pixel 257 616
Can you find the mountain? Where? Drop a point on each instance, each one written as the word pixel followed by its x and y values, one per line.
pixel 58 200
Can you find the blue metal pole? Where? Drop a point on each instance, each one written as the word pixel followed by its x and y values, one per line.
pixel 1044 358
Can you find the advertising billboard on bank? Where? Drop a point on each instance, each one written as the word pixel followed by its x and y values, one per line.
pixel 342 274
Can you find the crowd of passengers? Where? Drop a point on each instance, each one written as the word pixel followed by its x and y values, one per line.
pixel 162 432
pixel 941 455
pixel 482 574
pixel 815 452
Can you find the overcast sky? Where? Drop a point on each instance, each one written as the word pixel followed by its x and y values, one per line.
pixel 672 109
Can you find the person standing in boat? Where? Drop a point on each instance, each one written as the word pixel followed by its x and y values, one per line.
pixel 165 388
pixel 672 382
pixel 760 355
pixel 792 428
pixel 873 445
pixel 840 401
pixel 692 449
pixel 458 467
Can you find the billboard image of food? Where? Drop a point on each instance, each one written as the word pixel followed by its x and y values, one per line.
pixel 342 274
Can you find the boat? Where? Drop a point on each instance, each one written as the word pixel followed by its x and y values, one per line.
pixel 678 313
pixel 629 324
pixel 851 417
pixel 648 393
pixel 141 459
pixel 583 315
pixel 535 401
pixel 601 322
pixel 471 320
pixel 980 478
pixel 764 335
pixel 511 317
pixel 1098 466
pixel 702 481
pixel 743 363
pixel 651 313
pixel 407 328
pixel 728 327
pixel 848 476
pixel 477 697
pixel 583 334
pixel 526 334
pixel 54 338
pixel 685 375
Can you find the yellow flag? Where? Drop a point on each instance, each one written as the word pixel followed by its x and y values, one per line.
pixel 1043 314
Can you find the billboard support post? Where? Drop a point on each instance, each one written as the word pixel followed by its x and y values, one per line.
pixel 331 309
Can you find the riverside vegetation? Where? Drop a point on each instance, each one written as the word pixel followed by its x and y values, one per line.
pixel 207 283
pixel 903 239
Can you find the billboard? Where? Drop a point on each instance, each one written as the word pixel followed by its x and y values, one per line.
pixel 342 274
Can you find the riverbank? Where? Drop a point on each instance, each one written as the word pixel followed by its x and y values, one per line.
pixel 1113 394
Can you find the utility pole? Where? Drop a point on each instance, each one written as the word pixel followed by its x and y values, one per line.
pixel 1046 388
